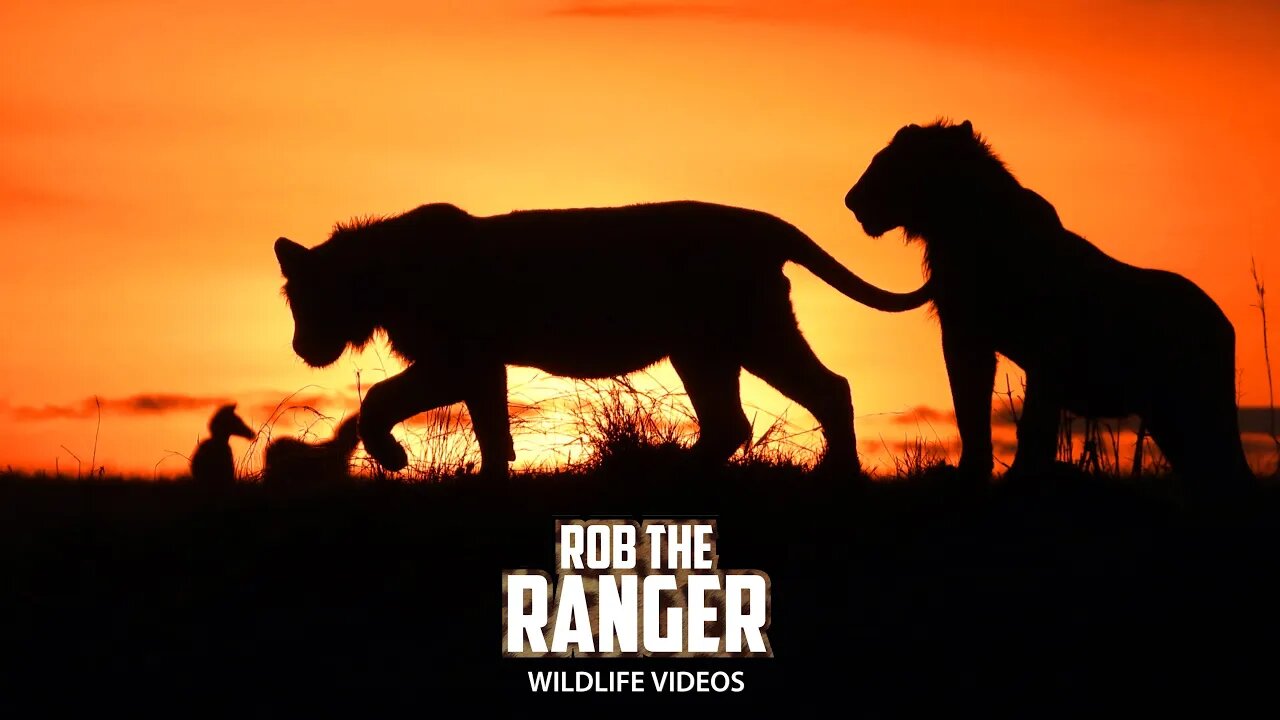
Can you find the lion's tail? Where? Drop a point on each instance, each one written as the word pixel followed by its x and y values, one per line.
pixel 807 254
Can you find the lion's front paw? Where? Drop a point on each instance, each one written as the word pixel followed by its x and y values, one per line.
pixel 389 453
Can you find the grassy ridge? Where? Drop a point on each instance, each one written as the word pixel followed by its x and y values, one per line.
pixel 1050 593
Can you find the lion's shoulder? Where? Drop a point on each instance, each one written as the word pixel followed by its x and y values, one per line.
pixel 437 216
pixel 1031 208
pixel 437 211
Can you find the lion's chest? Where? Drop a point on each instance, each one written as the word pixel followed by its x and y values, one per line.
pixel 1011 309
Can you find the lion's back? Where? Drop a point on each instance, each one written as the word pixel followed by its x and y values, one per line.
pixel 524 285
pixel 686 224
pixel 1069 303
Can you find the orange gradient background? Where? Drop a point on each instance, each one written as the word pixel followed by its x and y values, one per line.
pixel 151 153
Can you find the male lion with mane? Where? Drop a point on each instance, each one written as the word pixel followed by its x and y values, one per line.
pixel 584 293
pixel 1094 335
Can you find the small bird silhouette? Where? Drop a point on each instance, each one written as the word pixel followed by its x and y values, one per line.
pixel 212 463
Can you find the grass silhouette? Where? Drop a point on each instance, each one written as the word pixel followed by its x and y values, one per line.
pixel 609 423
pixel 388 592
pixel 1090 585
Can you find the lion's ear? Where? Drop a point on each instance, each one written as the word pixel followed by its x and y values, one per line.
pixel 967 127
pixel 292 256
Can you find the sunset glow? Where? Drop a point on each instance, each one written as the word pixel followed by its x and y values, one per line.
pixel 152 152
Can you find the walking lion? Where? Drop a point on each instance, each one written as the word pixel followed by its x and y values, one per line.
pixel 584 293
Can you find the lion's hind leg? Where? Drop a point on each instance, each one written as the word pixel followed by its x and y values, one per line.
pixel 1200 454
pixel 1199 433
pixel 712 382
pixel 486 400
pixel 1194 418
pixel 779 355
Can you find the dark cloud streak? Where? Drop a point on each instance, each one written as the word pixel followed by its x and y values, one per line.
pixel 1254 419
pixel 924 414
pixel 1257 419
pixel 142 404
pixel 654 10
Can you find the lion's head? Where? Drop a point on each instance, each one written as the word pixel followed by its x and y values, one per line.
pixel 325 317
pixel 915 177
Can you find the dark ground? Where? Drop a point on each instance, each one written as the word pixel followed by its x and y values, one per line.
pixel 1069 596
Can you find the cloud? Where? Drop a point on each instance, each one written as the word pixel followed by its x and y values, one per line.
pixel 655 10
pixel 1255 444
pixel 142 404
pixel 1253 419
pixel 1002 415
pixel 1257 419
pixel 314 402
pixel 21 197
pixel 924 414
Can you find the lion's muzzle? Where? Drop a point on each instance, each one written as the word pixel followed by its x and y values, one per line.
pixel 316 355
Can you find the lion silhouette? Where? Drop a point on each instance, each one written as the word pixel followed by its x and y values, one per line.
pixel 584 293
pixel 212 463
pixel 290 461
pixel 1094 335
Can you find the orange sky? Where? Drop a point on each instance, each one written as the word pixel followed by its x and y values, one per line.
pixel 151 152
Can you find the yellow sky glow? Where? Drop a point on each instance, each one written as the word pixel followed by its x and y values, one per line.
pixel 153 151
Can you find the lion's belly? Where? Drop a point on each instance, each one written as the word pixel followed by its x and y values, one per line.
pixel 580 340
pixel 1098 395
pixel 1087 380
pixel 594 365
pixel 621 345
